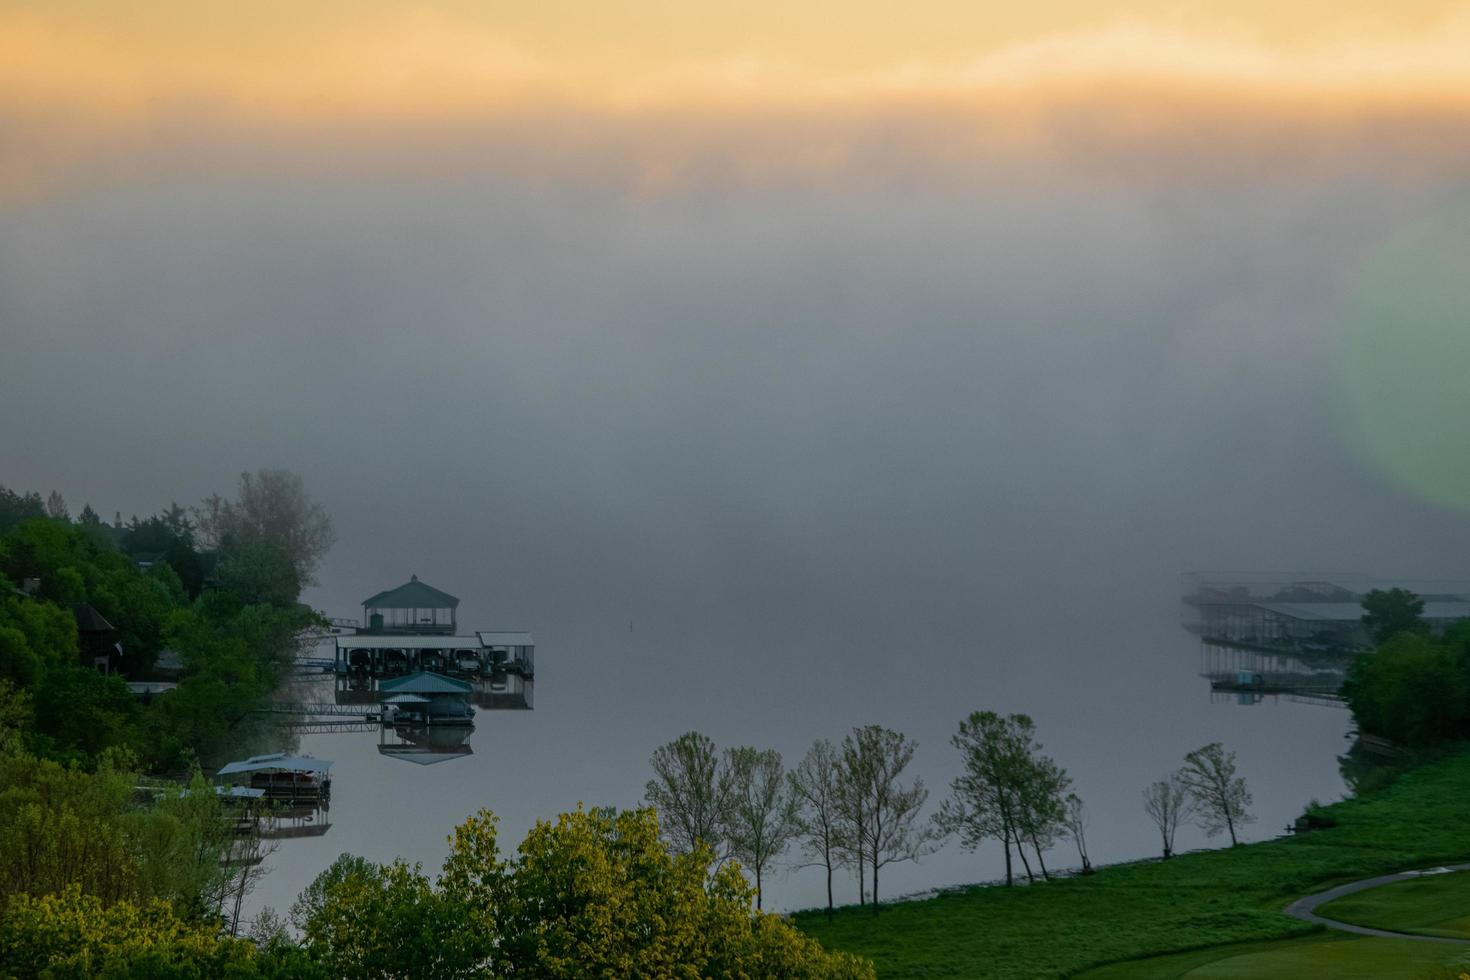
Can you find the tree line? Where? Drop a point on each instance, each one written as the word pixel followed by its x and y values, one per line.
pixel 217 585
pixel 850 806
pixel 592 893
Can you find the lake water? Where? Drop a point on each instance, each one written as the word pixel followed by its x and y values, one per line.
pixel 1112 682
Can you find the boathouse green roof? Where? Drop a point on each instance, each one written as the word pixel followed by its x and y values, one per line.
pixel 423 682
pixel 412 594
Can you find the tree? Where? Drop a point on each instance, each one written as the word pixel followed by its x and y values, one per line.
pixel 56 507
pixel 272 506
pixel 691 792
pixel 761 818
pixel 1075 820
pixel 814 787
pixel 1414 689
pixel 1008 791
pixel 258 571
pixel 1221 796
pixel 884 812
pixel 1042 811
pixel 1168 804
pixel 1388 613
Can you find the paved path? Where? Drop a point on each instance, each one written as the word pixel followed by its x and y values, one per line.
pixel 1306 908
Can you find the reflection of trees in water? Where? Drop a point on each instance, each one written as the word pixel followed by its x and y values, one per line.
pixel 1367 770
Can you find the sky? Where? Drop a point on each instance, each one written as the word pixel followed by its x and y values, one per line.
pixel 783 367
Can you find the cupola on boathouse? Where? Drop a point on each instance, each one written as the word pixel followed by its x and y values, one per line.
pixel 413 607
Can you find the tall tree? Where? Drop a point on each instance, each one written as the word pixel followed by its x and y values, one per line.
pixel 272 506
pixel 1222 798
pixel 762 816
pixel 1168 804
pixel 1389 613
pixel 691 790
pixel 1075 820
pixel 1042 810
pixel 871 776
pixel 56 506
pixel 1002 792
pixel 814 786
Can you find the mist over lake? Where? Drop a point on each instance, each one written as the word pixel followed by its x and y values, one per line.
pixel 765 460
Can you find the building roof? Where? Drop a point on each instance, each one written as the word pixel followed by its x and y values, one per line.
pixel 406 699
pixel 367 641
pixel 1344 612
pixel 277 762
pixel 424 682
pixel 89 620
pixel 505 638
pixel 412 594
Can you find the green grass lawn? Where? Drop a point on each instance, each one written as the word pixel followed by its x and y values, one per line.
pixel 1325 954
pixel 1131 911
pixel 1437 905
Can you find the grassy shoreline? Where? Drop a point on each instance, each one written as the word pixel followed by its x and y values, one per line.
pixel 1191 902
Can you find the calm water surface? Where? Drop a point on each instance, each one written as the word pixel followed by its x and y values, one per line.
pixel 1114 687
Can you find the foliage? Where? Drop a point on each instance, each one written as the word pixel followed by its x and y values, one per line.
pixel 691 789
pixel 61 827
pixel 1152 908
pixel 73 934
pixel 882 812
pixel 1168 804
pixel 762 816
pixel 1008 791
pixel 814 789
pixel 595 893
pixel 1220 796
pixel 1386 614
pixel 16 508
pixel 272 511
pixel 1414 689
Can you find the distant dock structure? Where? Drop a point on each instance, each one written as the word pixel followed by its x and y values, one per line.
pixel 414 630
pixel 1305 615
pixel 1294 635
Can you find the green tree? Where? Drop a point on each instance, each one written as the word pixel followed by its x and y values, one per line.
pixel 389 921
pixel 1388 613
pixel 1168 804
pixel 990 797
pixel 75 934
pixel 1220 796
pixel 1414 689
pixel 258 571
pixel 762 817
pixel 883 811
pixel 691 790
pixel 272 506
pixel 814 787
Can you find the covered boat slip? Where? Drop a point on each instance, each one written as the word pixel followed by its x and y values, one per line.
pixel 282 778
pixel 392 655
pixel 424 698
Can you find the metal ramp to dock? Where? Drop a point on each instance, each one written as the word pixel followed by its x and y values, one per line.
pixel 323 709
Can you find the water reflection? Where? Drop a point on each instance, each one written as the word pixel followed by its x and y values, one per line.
pixel 425 745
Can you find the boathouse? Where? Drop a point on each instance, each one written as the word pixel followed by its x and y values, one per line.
pixel 413 607
pixel 411 630
pixel 285 778
pixel 424 698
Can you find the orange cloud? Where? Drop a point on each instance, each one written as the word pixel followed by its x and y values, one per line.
pixel 78 92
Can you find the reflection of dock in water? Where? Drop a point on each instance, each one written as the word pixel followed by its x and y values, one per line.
pixel 1250 676
pixel 424 746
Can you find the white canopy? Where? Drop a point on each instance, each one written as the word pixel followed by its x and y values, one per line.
pixel 277 762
